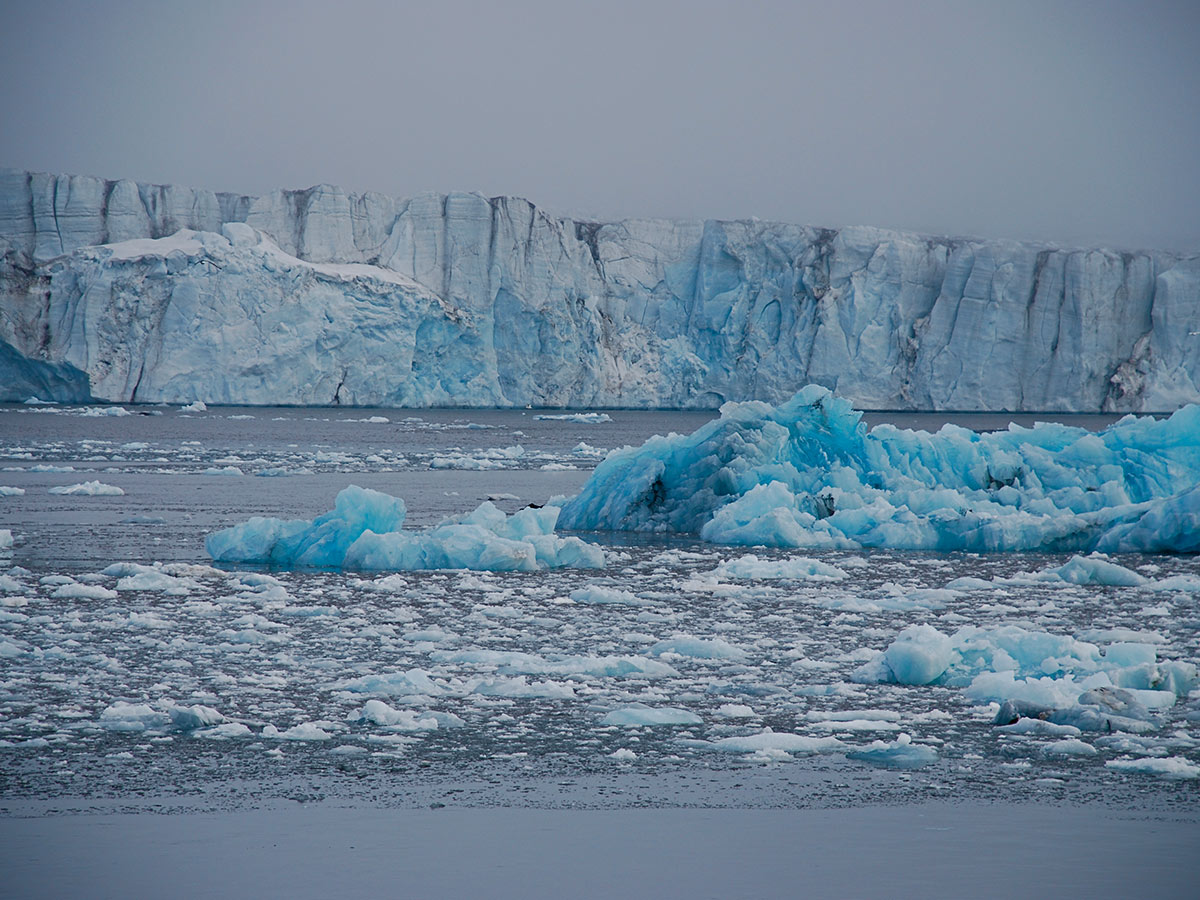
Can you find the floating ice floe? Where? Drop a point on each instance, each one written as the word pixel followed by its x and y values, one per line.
pixel 162 716
pixel 634 716
pixel 305 731
pixel 194 407
pixel 413 683
pixel 687 646
pixel 88 489
pixel 1168 767
pixel 6 491
pixel 516 662
pixel 579 418
pixel 797 568
pixel 76 591
pixel 379 713
pixel 1092 570
pixel 810 474
pixel 364 531
pixel 901 753
pixel 1035 674
pixel 6 538
pixel 135 577
pixel 599 594
pixel 778 741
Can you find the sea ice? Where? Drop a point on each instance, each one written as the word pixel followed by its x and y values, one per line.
pixel 139 717
pixel 696 648
pixel 103 411
pixel 599 594
pixel 75 591
pixel 768 740
pixel 798 568
pixel 379 713
pixel 592 418
pixel 808 473
pixel 305 731
pixel 1092 570
pixel 634 716
pixel 1168 767
pixel 88 489
pixel 1038 674
pixel 901 753
pixel 414 682
pixel 364 531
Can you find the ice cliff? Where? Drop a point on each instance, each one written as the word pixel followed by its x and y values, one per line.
pixel 131 292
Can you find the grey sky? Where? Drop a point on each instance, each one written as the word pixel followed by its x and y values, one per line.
pixel 1061 120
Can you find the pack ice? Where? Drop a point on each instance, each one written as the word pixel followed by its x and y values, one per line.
pixel 152 293
pixel 809 473
pixel 364 530
pixel 1048 684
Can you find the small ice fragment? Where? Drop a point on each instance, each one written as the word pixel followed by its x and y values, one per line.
pixel 735 711
pixel 1069 747
pixel 1168 767
pixel 88 489
pixel 305 731
pixel 901 753
pixel 919 655
pixel 634 716
pixel 598 594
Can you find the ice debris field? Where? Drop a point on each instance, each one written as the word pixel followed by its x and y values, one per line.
pixel 801 631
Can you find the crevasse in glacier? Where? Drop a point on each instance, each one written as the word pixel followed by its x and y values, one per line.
pixel 132 292
pixel 809 473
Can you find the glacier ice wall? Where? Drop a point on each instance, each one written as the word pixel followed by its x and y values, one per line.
pixel 134 292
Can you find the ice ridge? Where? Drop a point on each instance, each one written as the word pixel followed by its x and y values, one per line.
pixel 132 292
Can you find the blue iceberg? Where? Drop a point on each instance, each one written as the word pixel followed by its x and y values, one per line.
pixel 810 474
pixel 364 530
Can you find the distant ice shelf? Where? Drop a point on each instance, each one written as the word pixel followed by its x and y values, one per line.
pixel 130 292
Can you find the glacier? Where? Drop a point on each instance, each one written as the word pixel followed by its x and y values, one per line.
pixel 128 292
pixel 809 474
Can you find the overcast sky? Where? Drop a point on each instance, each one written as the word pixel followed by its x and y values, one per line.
pixel 1057 120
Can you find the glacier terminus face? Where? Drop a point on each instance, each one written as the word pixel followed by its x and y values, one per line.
pixel 140 293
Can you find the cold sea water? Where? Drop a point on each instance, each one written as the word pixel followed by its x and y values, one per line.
pixel 135 676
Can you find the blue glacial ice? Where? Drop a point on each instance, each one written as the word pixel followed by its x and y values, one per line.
pixel 317 297
pixel 809 474
pixel 1070 683
pixel 364 530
